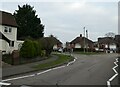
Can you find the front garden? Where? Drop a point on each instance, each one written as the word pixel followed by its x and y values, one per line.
pixel 34 51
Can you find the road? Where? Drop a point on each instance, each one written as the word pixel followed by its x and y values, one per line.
pixel 86 70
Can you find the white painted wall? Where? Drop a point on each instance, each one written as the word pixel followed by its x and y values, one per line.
pixel 4 46
pixel 11 35
pixel 113 46
pixel 106 46
pixel 18 44
pixel 55 47
pixel 77 45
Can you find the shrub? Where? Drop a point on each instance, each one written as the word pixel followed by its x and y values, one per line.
pixel 28 50
pixel 37 48
pixel 43 52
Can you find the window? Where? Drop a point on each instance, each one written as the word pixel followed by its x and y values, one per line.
pixel 6 29
pixel 12 43
pixel 10 30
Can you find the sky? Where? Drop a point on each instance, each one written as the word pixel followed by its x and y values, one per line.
pixel 66 19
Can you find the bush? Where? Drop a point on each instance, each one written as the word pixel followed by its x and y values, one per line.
pixel 37 48
pixel 43 52
pixel 31 49
pixel 28 49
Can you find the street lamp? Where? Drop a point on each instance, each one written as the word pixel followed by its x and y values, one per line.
pixel 84 39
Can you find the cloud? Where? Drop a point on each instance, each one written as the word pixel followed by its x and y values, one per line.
pixel 67 19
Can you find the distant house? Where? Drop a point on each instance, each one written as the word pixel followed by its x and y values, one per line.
pixel 117 39
pixel 57 43
pixel 82 42
pixel 107 44
pixel 8 33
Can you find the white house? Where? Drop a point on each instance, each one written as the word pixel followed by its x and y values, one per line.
pixel 8 33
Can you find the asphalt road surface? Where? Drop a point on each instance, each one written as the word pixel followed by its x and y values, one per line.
pixel 86 70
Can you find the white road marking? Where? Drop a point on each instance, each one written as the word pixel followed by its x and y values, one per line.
pixel 58 67
pixel 19 77
pixel 2 83
pixel 108 83
pixel 116 73
pixel 39 72
pixel 71 62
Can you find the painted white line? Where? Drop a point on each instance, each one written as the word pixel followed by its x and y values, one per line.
pixel 58 67
pixel 18 78
pixel 116 73
pixel 43 72
pixel 108 84
pixel 39 72
pixel 2 83
pixel 117 60
pixel 113 77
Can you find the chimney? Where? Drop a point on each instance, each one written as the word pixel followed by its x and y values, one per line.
pixel 80 35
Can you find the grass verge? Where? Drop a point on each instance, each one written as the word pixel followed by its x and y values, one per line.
pixel 63 59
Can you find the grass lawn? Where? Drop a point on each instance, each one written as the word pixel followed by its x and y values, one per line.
pixel 61 60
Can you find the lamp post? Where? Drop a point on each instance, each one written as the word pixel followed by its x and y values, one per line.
pixel 84 39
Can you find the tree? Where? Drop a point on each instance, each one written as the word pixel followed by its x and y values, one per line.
pixel 47 44
pixel 29 25
pixel 110 34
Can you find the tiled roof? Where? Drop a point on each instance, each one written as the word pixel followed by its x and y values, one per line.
pixel 81 40
pixel 106 40
pixel 7 19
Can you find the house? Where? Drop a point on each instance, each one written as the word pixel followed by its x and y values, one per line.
pixel 8 33
pixel 57 44
pixel 117 39
pixel 107 44
pixel 82 42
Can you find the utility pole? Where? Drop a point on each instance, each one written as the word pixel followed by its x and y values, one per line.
pixel 84 39
pixel 87 41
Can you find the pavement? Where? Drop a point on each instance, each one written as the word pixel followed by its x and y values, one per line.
pixel 87 70
pixel 8 70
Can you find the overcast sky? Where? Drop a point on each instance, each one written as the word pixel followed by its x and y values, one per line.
pixel 66 19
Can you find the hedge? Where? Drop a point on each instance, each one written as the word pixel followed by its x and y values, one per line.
pixel 28 49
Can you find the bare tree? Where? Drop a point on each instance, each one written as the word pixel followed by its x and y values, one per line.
pixel 110 34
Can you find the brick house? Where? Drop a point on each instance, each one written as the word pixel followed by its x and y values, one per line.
pixel 117 39
pixel 82 42
pixel 57 44
pixel 107 44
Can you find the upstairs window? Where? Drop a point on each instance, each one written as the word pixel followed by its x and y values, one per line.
pixel 6 29
pixel 10 30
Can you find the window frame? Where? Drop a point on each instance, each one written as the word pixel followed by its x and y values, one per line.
pixel 6 29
